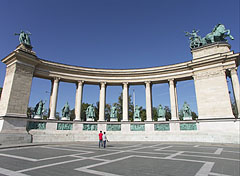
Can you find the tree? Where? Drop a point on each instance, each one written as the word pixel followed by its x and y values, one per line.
pixel 83 111
pixel 72 114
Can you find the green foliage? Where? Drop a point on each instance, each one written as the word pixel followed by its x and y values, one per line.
pixel 72 114
pixel 83 111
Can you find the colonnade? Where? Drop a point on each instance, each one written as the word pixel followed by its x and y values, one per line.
pixel 102 99
pixel 125 92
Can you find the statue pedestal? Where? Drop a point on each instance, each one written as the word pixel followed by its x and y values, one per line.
pixel 113 119
pixel 65 118
pixel 137 120
pixel 161 119
pixel 90 119
pixel 37 117
pixel 210 49
pixel 187 118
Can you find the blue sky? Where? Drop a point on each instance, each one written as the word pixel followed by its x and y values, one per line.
pixel 113 34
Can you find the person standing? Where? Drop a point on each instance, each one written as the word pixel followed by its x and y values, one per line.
pixel 100 139
pixel 104 139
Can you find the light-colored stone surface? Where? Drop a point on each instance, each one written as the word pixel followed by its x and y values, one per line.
pixel 212 94
pixel 148 88
pixel 221 131
pixel 236 88
pixel 102 101
pixel 173 99
pixel 78 101
pixel 54 96
pixel 210 49
pixel 125 101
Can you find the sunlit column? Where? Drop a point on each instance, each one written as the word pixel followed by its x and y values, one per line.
pixel 54 98
pixel 125 102
pixel 102 101
pixel 236 89
pixel 148 89
pixel 173 99
pixel 78 101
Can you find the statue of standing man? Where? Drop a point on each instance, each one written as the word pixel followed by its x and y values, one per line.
pixel 24 38
pixel 161 113
pixel 66 112
pixel 90 113
pixel 137 113
pixel 113 114
pixel 38 110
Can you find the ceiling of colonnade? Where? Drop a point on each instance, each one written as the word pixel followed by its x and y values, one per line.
pixel 113 34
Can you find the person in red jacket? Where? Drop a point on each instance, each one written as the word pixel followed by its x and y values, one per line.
pixel 100 139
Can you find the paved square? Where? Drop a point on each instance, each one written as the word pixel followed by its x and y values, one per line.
pixel 119 158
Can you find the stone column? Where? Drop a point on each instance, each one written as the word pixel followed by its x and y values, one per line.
pixel 148 89
pixel 236 89
pixel 54 95
pixel 173 99
pixel 78 100
pixel 102 101
pixel 125 102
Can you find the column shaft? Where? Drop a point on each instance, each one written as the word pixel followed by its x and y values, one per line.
pixel 78 101
pixel 54 96
pixel 173 99
pixel 236 89
pixel 102 101
pixel 125 102
pixel 148 90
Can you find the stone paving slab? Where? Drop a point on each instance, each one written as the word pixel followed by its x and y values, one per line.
pixel 121 158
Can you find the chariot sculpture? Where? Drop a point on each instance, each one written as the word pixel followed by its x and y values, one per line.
pixel 218 34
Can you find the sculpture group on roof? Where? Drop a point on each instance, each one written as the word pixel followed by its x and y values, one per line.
pixel 218 34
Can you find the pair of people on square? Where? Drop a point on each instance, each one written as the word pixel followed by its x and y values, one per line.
pixel 102 139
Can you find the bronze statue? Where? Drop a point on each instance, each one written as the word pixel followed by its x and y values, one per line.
pixel 24 38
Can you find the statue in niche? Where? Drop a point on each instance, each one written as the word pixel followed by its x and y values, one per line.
pixel 38 110
pixel 24 38
pixel 186 111
pixel 66 112
pixel 137 113
pixel 161 113
pixel 113 114
pixel 90 113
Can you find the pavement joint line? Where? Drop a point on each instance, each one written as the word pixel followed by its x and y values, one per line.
pixel 196 145
pixel 170 153
pixel 18 157
pixel 98 172
pixel 103 163
pixel 56 157
pixel 205 169
pixel 18 148
pixel 49 165
pixel 10 172
pixel 163 148
pixel 82 151
pixel 130 146
pixel 217 174
pixel 92 158
pixel 218 151
pixel 173 155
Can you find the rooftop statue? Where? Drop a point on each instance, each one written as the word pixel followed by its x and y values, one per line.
pixel 24 38
pixel 66 111
pixel 218 34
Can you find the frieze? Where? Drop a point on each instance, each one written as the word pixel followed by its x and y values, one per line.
pixel 208 74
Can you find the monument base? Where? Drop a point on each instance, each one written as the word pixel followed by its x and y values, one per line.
pixel 113 119
pixel 137 120
pixel 13 131
pixel 37 117
pixel 187 118
pixel 161 119
pixel 65 118
pixel 90 120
